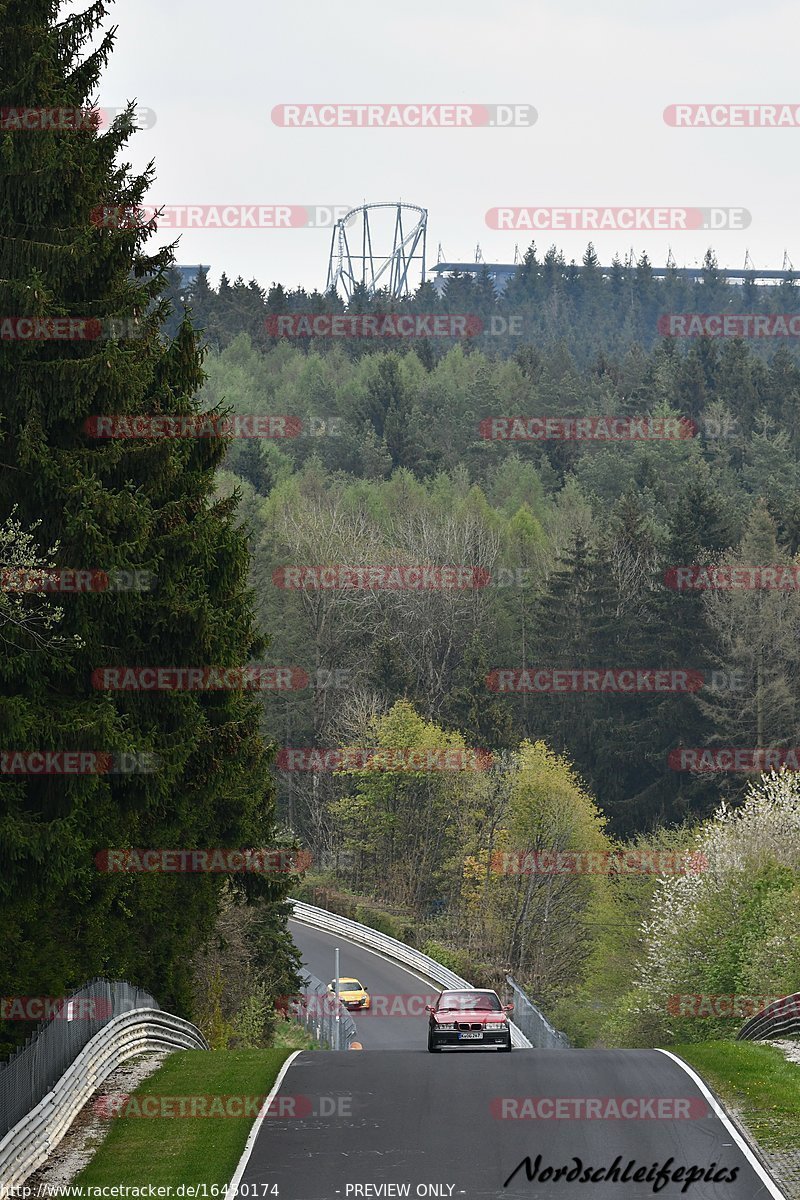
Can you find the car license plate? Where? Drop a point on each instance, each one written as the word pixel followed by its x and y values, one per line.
pixel 467 1037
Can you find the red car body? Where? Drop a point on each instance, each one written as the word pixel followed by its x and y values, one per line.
pixel 468 1018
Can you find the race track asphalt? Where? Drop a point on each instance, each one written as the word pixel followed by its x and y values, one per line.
pixel 393 990
pixel 379 1123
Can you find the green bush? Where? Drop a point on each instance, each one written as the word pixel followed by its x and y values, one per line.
pixel 581 1023
pixel 629 1024
pixel 254 1024
pixel 399 928
pixel 454 960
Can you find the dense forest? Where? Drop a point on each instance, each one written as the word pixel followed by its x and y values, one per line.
pixel 399 740
pixel 579 540
pixel 69 502
pixel 577 545
pixel 596 310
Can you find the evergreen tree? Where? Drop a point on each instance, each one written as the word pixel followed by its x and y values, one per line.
pixel 201 299
pixel 566 617
pixel 757 634
pixel 485 719
pixel 110 505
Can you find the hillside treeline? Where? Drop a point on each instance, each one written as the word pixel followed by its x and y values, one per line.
pixel 579 541
pixel 549 301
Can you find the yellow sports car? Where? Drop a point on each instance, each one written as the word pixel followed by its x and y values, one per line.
pixel 351 993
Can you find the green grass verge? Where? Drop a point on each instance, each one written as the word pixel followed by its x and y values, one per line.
pixel 289 1035
pixel 162 1150
pixel 757 1081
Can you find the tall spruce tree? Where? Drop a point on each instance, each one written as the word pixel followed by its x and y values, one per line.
pixel 565 621
pixel 114 506
pixel 700 527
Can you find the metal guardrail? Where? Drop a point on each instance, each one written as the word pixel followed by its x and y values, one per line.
pixel 34 1068
pixel 327 1020
pixel 33 1139
pixel 534 1024
pixel 778 1019
pixel 433 972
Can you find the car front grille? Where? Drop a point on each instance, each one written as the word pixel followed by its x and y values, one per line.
pixel 465 1026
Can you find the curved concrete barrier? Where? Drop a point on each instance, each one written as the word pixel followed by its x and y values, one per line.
pixel 32 1140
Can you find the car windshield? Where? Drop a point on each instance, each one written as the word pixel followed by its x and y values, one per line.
pixel 469 1001
pixel 347 985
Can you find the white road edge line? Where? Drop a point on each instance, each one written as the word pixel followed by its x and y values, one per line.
pixel 766 1179
pixel 254 1132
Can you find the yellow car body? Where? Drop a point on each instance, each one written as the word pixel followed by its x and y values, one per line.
pixel 351 993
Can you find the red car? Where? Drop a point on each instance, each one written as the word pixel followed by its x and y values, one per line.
pixel 468 1018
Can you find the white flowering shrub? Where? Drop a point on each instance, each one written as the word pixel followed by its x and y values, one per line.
pixel 730 928
pixel 24 607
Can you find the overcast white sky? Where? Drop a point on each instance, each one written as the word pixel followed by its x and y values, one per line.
pixel 598 72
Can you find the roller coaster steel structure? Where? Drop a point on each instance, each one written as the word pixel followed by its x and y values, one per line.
pixel 367 269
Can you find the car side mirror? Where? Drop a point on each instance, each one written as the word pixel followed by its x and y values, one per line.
pixel 508 1007
pixel 428 1008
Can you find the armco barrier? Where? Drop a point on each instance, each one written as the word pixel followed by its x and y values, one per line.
pixel 779 1019
pixel 431 971
pixel 32 1140
pixel 534 1024
pixel 36 1067
pixel 329 1023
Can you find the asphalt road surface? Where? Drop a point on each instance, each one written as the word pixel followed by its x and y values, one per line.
pixel 379 1123
pixel 394 991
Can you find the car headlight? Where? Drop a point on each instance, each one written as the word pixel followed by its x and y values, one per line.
pixel 495 1025
pixel 445 1024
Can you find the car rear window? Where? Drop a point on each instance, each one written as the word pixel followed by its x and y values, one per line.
pixel 470 1001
